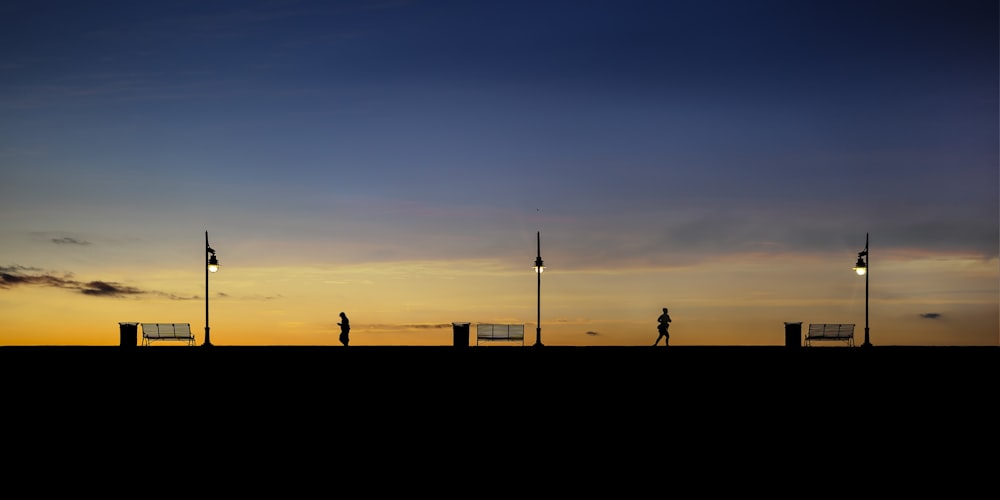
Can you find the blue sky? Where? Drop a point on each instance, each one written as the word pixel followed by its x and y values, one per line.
pixel 638 137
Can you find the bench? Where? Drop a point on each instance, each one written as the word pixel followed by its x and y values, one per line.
pixel 488 332
pixel 831 331
pixel 152 332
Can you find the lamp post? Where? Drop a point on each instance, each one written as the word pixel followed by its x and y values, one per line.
pixel 539 267
pixel 862 269
pixel 211 265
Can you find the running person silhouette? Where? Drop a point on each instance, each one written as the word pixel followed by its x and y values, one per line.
pixel 663 328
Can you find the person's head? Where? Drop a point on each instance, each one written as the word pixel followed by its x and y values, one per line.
pixel 342 315
pixel 664 310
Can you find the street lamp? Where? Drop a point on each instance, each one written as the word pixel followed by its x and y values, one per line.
pixel 211 265
pixel 862 269
pixel 539 267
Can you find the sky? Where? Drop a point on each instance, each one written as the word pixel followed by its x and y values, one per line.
pixel 405 162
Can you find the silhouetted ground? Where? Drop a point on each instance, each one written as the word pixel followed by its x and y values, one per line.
pixel 587 420
pixel 516 376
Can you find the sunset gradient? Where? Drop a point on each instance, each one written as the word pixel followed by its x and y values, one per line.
pixel 397 160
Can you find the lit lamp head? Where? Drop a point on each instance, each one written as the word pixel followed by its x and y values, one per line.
pixel 539 266
pixel 861 267
pixel 213 263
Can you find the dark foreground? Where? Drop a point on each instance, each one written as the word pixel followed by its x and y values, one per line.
pixel 527 378
pixel 608 421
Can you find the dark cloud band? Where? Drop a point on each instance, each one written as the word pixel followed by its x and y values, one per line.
pixel 13 276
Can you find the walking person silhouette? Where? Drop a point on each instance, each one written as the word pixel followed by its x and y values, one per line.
pixel 663 328
pixel 345 329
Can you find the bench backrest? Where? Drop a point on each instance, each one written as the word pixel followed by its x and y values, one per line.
pixel 831 330
pixel 166 330
pixel 489 331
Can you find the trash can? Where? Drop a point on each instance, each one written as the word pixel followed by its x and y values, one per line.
pixel 128 334
pixel 793 334
pixel 460 334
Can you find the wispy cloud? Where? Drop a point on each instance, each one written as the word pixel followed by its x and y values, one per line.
pixel 104 289
pixel 13 276
pixel 69 241
pixel 411 326
pixel 424 326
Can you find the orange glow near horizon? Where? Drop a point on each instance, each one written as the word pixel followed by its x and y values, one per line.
pixel 728 302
